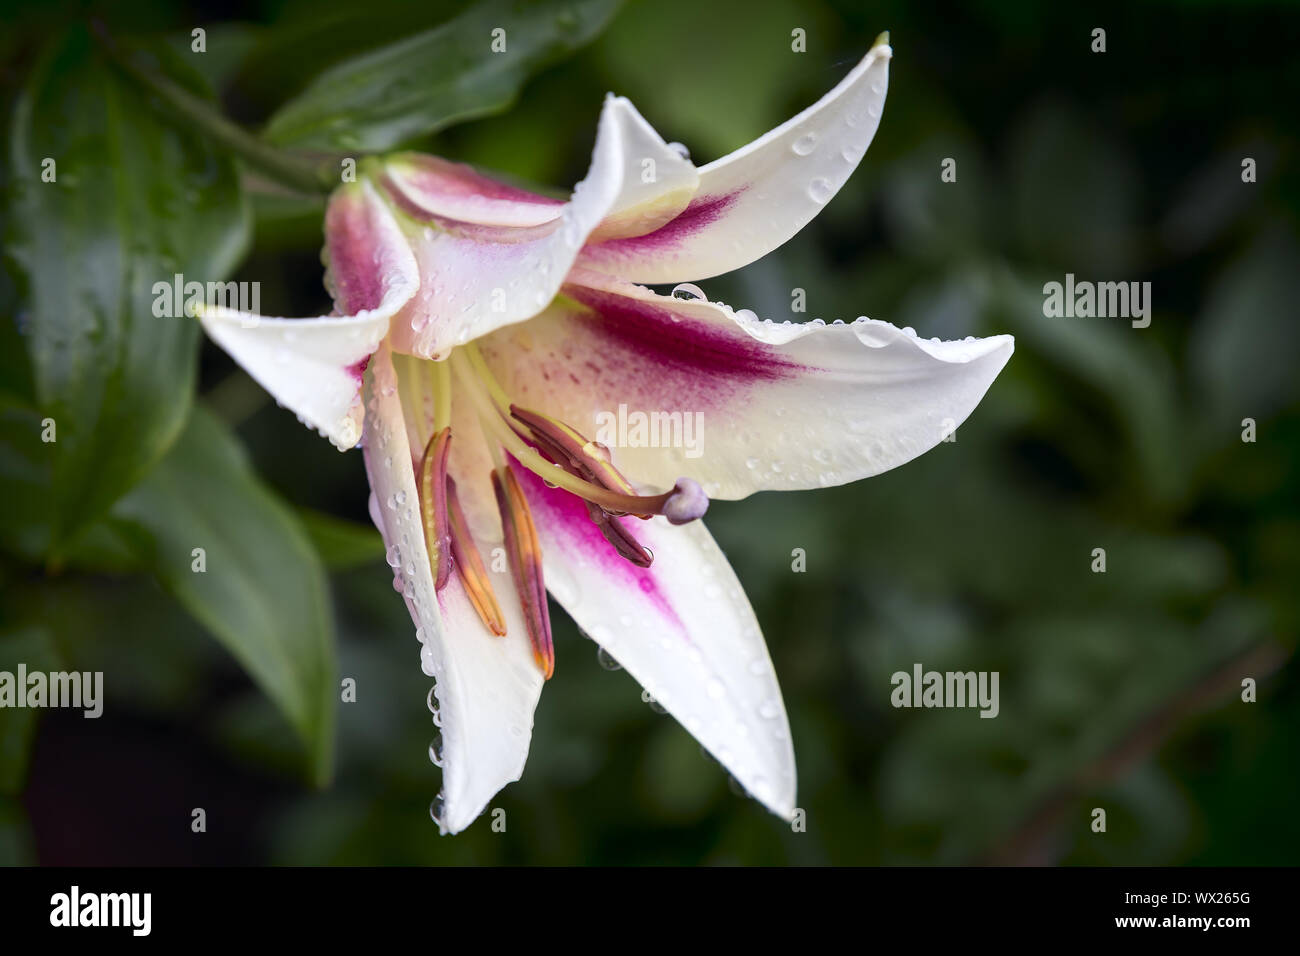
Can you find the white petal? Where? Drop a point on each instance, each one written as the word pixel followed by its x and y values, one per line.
pixel 753 200
pixel 477 276
pixel 314 366
pixel 435 188
pixel 658 181
pixel 742 405
pixel 683 628
pixel 487 686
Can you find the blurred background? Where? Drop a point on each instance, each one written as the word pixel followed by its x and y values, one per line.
pixel 1120 690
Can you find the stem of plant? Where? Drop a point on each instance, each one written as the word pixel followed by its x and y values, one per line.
pixel 286 169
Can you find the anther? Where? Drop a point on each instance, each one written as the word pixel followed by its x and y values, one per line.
pixel 525 556
pixel 586 472
pixel 582 457
pixel 432 490
pixel 623 542
pixel 469 565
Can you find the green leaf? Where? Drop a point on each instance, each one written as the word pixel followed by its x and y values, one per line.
pixel 132 203
pixel 262 591
pixel 341 544
pixel 16 845
pixel 435 78
pixel 32 647
pixel 24 481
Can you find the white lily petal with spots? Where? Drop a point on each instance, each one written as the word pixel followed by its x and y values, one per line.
pixel 682 628
pixel 771 406
pixel 487 686
pixel 314 366
pixel 753 200
pixel 658 181
pixel 506 264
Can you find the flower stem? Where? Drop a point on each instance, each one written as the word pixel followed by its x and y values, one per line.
pixel 297 173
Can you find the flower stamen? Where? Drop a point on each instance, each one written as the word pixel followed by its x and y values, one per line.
pixel 432 488
pixel 686 501
pixel 622 540
pixel 469 565
pixel 590 459
pixel 525 555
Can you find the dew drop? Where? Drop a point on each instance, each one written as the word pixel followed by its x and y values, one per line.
pixel 436 809
pixel 607 660
pixel 820 190
pixel 688 290
pixel 805 144
pixel 435 751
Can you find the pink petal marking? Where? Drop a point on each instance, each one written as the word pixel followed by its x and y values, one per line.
pixel 358 370
pixel 455 197
pixel 700 213
pixel 563 521
pixel 353 240
pixel 437 175
pixel 662 341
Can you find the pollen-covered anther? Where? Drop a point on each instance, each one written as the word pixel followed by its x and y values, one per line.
pixel 525 556
pixel 432 488
pixel 469 565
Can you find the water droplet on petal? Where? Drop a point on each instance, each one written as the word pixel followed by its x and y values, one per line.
pixel 820 190
pixel 607 660
pixel 688 290
pixel 805 144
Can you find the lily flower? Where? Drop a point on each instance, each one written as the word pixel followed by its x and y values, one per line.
pixel 481 330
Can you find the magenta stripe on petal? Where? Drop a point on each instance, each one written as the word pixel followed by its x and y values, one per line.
pixel 434 175
pixel 664 340
pixel 702 212
pixel 355 252
pixel 563 516
pixel 358 370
